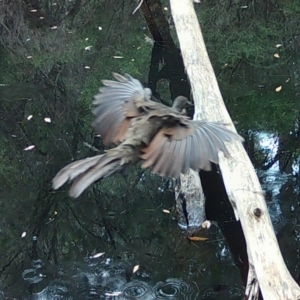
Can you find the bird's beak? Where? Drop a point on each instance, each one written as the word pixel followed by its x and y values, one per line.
pixel 189 103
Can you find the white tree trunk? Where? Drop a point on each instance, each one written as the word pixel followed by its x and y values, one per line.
pixel 242 185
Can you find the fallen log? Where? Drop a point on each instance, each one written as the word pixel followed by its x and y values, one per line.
pixel 267 269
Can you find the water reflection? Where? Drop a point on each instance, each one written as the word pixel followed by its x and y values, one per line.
pixel 122 217
pixel 106 279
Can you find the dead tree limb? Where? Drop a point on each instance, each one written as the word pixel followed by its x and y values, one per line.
pixel 266 266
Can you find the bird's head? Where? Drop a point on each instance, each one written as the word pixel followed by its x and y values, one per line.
pixel 181 103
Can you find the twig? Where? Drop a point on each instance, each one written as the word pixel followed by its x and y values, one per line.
pixel 140 4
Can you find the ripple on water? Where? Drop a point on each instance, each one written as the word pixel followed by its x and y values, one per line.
pixel 137 290
pixel 173 289
pixel 32 276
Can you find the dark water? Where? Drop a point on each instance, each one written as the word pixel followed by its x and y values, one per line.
pixel 115 241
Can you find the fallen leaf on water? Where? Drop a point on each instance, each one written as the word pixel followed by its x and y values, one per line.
pixel 29 148
pixel 98 255
pixel 113 294
pixel 206 224
pixel 197 238
pixel 135 268
pixel 278 89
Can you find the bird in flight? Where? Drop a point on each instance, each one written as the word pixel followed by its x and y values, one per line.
pixel 162 137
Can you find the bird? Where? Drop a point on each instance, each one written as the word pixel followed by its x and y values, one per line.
pixel 162 137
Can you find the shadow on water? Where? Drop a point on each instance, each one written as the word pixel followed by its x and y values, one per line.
pixel 120 239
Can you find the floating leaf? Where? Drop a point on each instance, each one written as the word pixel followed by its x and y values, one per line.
pixel 278 89
pixel 197 238
pixel 113 294
pixel 206 224
pixel 135 268
pixel 276 55
pixel 98 255
pixel 29 148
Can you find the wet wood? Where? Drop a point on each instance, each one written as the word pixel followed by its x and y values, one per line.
pixel 266 265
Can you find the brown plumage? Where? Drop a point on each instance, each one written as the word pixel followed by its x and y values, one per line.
pixel 161 136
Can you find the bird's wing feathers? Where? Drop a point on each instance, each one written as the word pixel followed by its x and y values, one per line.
pixel 194 145
pixel 116 105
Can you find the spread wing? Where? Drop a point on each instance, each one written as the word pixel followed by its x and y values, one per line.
pixel 192 144
pixel 116 106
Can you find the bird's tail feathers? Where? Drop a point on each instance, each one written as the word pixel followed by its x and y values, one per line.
pixel 87 171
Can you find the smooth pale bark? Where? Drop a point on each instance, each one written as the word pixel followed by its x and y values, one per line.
pixel 242 185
